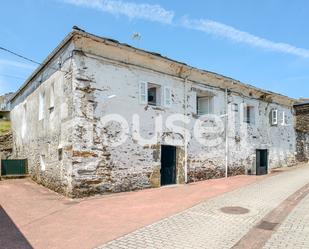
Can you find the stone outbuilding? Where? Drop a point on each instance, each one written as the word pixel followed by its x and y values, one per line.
pixel 5 106
pixel 302 131
pixel 59 121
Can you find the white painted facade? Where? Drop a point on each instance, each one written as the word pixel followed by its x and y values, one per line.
pixel 71 139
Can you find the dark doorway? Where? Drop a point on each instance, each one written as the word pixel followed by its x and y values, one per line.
pixel 168 165
pixel 261 162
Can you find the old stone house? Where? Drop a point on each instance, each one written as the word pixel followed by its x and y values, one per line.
pixel 57 121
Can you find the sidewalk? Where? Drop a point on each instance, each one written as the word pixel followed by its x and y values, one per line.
pixel 49 220
pixel 241 219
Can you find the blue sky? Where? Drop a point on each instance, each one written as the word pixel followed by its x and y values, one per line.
pixel 264 43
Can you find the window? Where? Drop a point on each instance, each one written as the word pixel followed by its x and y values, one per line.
pixel 42 162
pixel 24 121
pixel 60 154
pixel 235 107
pixel 41 105
pixel 154 94
pixel 143 95
pixel 52 97
pixel 284 119
pixel 249 115
pixel 274 117
pixel 167 96
pixel 204 105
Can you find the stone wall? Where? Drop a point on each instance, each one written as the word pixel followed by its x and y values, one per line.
pixel 302 130
pixel 45 140
pixel 6 145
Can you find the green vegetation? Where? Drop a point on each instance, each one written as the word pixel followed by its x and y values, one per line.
pixel 5 126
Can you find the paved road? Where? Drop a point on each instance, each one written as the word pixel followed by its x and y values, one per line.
pixel 206 226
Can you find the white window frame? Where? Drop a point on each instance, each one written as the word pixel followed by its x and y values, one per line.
pixel 24 120
pixel 274 117
pixel 52 96
pixel 167 95
pixel 143 92
pixel 249 119
pixel 235 107
pixel 163 94
pixel 42 163
pixel 210 100
pixel 41 105
pixel 284 119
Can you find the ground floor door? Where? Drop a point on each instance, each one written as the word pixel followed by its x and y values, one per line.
pixel 168 165
pixel 261 162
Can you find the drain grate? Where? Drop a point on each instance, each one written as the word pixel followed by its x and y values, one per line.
pixel 266 225
pixel 234 210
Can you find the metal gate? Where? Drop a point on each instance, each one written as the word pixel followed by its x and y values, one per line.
pixel 12 167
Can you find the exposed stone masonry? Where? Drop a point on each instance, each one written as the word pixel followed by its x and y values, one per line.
pixel 302 132
pixel 6 145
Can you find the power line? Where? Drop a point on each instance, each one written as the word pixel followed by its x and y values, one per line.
pixel 12 76
pixel 28 59
pixel 20 56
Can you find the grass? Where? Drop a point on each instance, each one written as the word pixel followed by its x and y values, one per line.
pixel 5 126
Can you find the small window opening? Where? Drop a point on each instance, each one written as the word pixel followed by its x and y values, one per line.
pixel 204 104
pixel 41 105
pixel 52 98
pixel 249 115
pixel 42 163
pixel 60 154
pixel 154 94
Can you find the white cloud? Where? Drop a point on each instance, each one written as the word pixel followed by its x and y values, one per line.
pixel 230 33
pixel 11 63
pixel 129 9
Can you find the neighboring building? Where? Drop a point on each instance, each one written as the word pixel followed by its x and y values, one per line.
pixel 302 130
pixel 5 106
pixel 57 120
pixel 6 141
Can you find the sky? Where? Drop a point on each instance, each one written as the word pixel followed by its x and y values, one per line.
pixel 264 43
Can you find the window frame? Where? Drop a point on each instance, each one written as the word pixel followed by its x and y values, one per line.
pixel 274 117
pixel 163 94
pixel 210 104
pixel 42 105
pixel 249 114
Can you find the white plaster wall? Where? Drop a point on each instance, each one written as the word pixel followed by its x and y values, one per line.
pixel 130 166
pixel 89 166
pixel 39 140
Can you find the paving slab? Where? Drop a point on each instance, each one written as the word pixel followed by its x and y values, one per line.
pixel 207 226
